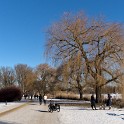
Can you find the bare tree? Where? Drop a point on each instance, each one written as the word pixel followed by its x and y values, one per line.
pixel 99 43
pixel 74 75
pixel 7 76
pixel 45 78
pixel 25 77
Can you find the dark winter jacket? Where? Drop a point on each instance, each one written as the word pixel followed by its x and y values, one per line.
pixel 109 100
pixel 93 101
pixel 40 97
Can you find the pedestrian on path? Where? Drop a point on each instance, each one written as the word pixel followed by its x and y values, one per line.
pixel 40 99
pixel 93 102
pixel 44 99
pixel 109 101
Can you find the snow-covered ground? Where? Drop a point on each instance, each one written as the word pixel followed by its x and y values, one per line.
pixel 81 115
pixel 3 104
pixel 9 105
pixel 73 114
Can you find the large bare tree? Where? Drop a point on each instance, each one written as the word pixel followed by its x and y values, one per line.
pixel 99 43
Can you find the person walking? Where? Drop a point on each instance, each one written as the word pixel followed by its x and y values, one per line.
pixel 40 99
pixel 93 102
pixel 109 101
pixel 44 99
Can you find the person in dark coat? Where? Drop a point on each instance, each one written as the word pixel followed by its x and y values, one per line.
pixel 109 101
pixel 93 102
pixel 40 99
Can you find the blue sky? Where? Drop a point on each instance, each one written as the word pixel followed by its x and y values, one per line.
pixel 23 24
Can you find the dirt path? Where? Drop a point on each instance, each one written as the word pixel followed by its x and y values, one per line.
pixel 30 114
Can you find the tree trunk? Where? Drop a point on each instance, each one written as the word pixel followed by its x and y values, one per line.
pixel 98 94
pixel 79 87
pixel 81 94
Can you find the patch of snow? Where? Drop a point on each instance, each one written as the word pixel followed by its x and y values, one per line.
pixel 80 115
pixel 9 105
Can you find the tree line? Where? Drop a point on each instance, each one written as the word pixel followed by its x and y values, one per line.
pixel 29 80
pixel 44 79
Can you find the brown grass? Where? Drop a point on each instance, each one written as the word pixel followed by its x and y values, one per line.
pixel 66 95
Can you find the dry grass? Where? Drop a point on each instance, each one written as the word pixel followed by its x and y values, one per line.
pixel 66 95
pixel 86 97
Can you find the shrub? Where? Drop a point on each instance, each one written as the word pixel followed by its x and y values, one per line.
pixel 86 99
pixel 10 94
pixel 119 103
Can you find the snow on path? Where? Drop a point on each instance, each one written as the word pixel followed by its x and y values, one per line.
pixel 33 113
pixel 9 105
pixel 80 115
pixel 67 115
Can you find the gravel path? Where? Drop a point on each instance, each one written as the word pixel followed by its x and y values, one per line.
pixel 31 114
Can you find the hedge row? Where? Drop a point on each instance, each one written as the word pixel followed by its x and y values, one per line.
pixel 10 94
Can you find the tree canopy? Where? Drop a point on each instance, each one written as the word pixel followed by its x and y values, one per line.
pixel 98 43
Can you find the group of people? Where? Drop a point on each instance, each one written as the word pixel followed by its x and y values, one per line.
pixel 44 98
pixel 108 102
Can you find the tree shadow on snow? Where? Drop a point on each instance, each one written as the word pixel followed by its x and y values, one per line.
pixel 112 114
pixel 88 109
pixel 122 118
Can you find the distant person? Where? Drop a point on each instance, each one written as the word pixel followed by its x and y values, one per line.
pixel 51 103
pixel 40 99
pixel 35 96
pixel 31 96
pixel 25 95
pixel 109 101
pixel 44 99
pixel 93 102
